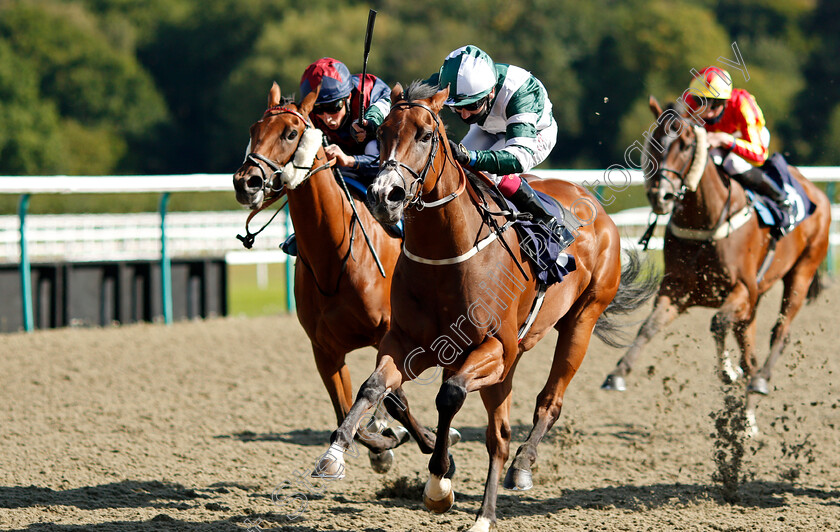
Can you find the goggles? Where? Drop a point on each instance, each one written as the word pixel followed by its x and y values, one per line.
pixel 328 108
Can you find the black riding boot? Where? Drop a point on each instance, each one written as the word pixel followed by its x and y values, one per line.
pixel 526 200
pixel 757 180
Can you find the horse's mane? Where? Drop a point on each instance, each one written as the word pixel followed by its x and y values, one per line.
pixel 419 90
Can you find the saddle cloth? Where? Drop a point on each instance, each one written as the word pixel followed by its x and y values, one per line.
pixel 769 213
pixel 544 249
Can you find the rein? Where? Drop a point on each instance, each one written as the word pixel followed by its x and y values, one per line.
pixel 417 202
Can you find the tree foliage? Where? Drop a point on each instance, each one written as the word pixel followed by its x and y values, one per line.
pixel 171 86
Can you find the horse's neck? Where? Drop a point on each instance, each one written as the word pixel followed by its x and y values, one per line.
pixel 445 231
pixel 320 213
pixel 702 208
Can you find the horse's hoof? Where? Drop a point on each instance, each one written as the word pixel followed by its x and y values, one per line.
pixel 751 425
pixel 518 479
pixel 454 437
pixel 729 374
pixel 451 472
pixel 330 465
pixel 442 506
pixel 614 383
pixel 381 462
pixel 758 385
pixel 482 524
pixel 397 432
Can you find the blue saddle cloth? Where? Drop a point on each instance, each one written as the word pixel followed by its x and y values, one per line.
pixel 769 213
pixel 543 248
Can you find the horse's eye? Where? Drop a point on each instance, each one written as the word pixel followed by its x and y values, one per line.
pixel 292 134
pixel 426 137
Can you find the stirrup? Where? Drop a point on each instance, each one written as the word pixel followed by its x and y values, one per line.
pixel 289 247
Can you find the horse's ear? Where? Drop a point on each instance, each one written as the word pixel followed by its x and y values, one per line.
pixel 309 101
pixel 655 108
pixel 397 93
pixel 274 95
pixel 436 103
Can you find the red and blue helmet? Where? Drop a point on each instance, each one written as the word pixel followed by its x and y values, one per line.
pixel 333 76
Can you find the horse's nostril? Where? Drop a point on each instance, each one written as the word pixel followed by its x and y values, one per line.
pixel 397 195
pixel 255 182
pixel 668 197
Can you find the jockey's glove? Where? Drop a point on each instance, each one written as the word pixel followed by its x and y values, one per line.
pixel 460 153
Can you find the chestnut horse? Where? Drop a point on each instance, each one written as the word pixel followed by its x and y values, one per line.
pixel 342 300
pixel 714 249
pixel 459 299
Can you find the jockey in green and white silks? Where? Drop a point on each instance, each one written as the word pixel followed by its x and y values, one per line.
pixel 512 128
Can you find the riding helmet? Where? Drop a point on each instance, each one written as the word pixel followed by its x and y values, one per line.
pixel 470 74
pixel 333 76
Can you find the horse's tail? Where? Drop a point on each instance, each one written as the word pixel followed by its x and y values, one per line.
pixel 815 289
pixel 639 282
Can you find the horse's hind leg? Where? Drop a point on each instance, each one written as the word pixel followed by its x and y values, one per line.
pixel 796 284
pixel 497 399
pixel 664 312
pixel 575 333
pixel 397 405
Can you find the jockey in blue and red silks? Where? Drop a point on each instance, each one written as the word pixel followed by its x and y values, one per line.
pixel 352 141
pixel 737 131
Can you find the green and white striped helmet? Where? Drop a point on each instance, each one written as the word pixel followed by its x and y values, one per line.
pixel 469 73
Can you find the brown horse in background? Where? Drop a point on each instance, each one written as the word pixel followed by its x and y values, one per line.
pixel 459 299
pixel 714 249
pixel 342 300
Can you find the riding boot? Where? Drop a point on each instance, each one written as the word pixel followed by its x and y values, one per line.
pixel 757 180
pixel 526 200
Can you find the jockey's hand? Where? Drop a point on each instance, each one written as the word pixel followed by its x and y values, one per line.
pixel 361 130
pixel 719 139
pixel 334 152
pixel 460 153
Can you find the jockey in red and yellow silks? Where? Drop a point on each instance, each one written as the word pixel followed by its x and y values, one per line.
pixel 737 130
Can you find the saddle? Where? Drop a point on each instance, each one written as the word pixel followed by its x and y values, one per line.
pixel 543 249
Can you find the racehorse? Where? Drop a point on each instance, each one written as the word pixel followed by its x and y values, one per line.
pixel 459 298
pixel 342 300
pixel 714 251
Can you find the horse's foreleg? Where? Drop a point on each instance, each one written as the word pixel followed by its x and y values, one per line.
pixel 664 312
pixel 483 367
pixel 336 377
pixel 497 399
pixel 796 284
pixel 575 333
pixel 738 307
pixel 387 376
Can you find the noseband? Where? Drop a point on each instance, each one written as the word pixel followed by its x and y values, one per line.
pixel 415 198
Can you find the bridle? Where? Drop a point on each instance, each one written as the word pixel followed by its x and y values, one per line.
pixel 415 199
pixel 270 192
pixel 679 190
pixel 276 168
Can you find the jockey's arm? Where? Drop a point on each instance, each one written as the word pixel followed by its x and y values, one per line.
pixel 749 145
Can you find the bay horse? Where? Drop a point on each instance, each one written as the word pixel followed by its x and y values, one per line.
pixel 342 300
pixel 713 251
pixel 459 299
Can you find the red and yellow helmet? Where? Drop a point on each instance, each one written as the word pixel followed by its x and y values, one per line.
pixel 712 83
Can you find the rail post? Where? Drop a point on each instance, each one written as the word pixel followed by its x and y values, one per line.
pixel 25 268
pixel 165 263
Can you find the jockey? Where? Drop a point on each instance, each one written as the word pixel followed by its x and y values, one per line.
pixel 512 128
pixel 352 141
pixel 737 131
